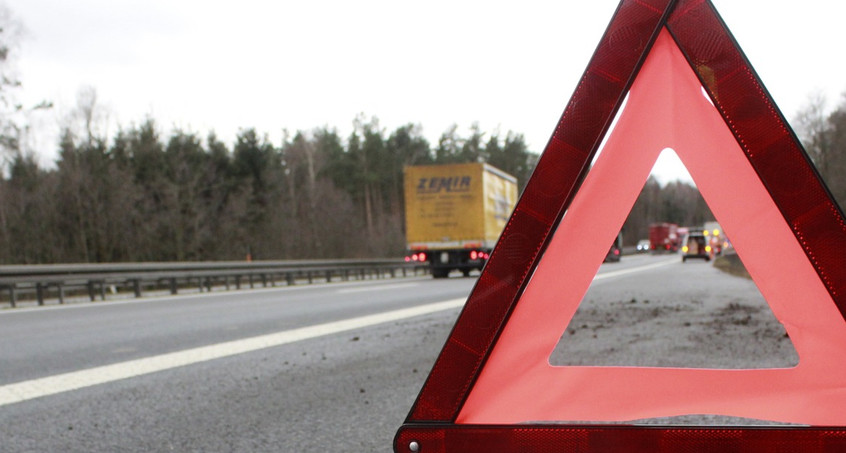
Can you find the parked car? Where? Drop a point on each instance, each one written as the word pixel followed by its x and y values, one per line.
pixel 616 250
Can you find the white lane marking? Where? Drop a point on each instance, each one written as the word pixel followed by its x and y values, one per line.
pixel 633 270
pixel 376 288
pixel 51 385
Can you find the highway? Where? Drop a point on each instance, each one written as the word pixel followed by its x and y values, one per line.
pixel 320 368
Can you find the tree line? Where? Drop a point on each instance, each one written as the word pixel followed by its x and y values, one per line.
pixel 676 202
pixel 141 196
pixel 144 196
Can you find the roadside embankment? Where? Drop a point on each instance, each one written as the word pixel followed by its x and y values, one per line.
pixel 730 263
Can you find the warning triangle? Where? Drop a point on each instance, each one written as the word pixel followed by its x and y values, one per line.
pixel 691 89
pixel 665 109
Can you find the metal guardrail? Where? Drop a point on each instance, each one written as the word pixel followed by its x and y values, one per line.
pixel 58 280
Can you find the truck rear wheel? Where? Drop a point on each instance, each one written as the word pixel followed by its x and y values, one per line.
pixel 440 273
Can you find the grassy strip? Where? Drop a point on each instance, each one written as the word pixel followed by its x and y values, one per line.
pixel 730 263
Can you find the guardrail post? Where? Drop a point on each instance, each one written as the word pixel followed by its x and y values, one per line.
pixel 208 284
pixel 61 290
pixel 329 276
pixel 226 281
pixel 91 294
pixel 251 281
pixel 136 287
pixel 173 288
pixel 102 290
pixel 12 295
pixel 39 292
pixel 289 278
pixel 237 282
pixel 264 280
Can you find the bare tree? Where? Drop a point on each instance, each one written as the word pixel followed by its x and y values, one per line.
pixel 811 126
pixel 10 108
pixel 823 135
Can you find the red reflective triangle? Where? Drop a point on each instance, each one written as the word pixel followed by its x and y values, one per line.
pixel 490 363
pixel 666 108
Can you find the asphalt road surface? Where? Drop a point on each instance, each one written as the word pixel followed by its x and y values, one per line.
pixel 328 367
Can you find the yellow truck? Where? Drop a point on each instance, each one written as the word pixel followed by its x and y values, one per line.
pixel 455 213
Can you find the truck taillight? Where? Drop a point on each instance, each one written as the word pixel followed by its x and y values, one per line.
pixel 479 255
pixel 416 257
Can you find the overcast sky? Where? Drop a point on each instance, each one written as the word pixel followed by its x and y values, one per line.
pixel 296 65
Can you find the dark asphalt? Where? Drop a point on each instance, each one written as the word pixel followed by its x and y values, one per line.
pixel 342 392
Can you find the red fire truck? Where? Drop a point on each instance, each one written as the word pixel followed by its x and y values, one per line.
pixel 664 237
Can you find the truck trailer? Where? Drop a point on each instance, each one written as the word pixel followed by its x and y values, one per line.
pixel 455 213
pixel 664 237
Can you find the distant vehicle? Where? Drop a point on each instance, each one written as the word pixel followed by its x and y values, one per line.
pixel 455 213
pixel 716 238
pixel 643 245
pixel 616 251
pixel 663 237
pixel 696 246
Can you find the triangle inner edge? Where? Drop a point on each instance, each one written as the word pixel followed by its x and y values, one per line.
pixel 656 308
